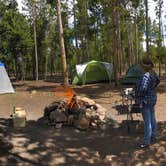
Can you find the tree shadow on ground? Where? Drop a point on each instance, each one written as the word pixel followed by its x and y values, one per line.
pixel 39 144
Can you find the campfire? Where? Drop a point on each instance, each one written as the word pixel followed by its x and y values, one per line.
pixel 71 109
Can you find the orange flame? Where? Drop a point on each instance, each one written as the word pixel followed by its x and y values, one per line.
pixel 66 93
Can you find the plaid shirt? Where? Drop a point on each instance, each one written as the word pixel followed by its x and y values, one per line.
pixel 145 92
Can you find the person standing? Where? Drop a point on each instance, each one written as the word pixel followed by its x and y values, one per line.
pixel 146 97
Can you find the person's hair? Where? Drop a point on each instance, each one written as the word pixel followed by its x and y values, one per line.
pixel 147 64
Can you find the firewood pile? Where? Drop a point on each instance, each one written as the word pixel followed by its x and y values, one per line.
pixel 82 113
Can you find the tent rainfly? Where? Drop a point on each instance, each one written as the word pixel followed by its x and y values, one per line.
pixel 132 75
pixel 92 72
pixel 5 84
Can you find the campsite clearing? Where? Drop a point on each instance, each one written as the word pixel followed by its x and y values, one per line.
pixel 38 144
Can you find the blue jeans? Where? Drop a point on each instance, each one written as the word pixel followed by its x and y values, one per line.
pixel 150 125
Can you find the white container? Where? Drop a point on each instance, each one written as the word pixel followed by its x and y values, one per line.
pixel 19 117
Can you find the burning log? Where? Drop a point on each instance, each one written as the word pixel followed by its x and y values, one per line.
pixel 56 113
pixel 56 105
pixel 71 109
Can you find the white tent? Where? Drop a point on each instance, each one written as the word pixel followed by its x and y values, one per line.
pixel 5 84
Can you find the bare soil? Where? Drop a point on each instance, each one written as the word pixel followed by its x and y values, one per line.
pixel 112 145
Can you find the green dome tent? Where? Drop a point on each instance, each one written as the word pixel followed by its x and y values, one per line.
pixel 92 72
pixel 132 75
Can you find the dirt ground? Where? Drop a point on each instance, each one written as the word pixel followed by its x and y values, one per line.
pixel 112 145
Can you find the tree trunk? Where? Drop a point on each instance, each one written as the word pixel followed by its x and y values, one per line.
pixel 115 54
pixel 46 69
pixel 147 28
pixel 75 28
pixel 86 32
pixel 159 33
pixel 136 43
pixel 35 40
pixel 129 44
pixel 16 68
pixel 52 65
pixel 61 38
pixel 119 44
pixel 123 56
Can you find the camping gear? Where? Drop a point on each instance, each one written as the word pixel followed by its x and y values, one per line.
pixel 132 75
pixel 19 117
pixel 92 72
pixel 128 93
pixel 129 106
pixel 5 84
